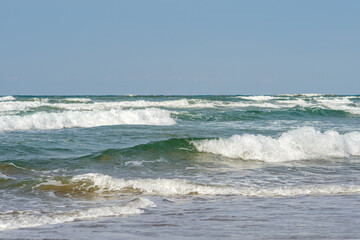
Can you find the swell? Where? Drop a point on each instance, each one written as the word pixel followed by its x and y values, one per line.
pixel 170 149
pixel 304 143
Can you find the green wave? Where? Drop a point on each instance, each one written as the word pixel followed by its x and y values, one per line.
pixel 153 156
pixel 171 149
pixel 318 111
pixel 214 115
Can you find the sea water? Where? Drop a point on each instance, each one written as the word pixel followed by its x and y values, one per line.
pixel 174 167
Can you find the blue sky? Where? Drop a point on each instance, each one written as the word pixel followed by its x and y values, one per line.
pixel 179 47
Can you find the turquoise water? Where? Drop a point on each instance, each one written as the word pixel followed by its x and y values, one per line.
pixel 237 167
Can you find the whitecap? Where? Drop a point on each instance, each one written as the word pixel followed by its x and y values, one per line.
pixel 257 98
pixel 300 144
pixel 7 98
pixel 341 104
pixel 86 119
pixel 81 100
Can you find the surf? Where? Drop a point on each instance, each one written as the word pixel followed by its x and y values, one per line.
pixel 304 143
pixel 85 119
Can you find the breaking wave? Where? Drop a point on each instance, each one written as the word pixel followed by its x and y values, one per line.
pixel 7 98
pixel 81 100
pixel 85 119
pixel 95 183
pixel 257 98
pixel 9 104
pixel 300 144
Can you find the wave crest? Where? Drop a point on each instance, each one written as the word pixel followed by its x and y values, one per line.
pixel 300 144
pixel 7 98
pixel 71 119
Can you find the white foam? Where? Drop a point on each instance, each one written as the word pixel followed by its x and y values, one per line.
pixel 25 219
pixel 181 103
pixel 81 100
pixel 6 106
pixel 3 176
pixel 353 97
pixel 311 94
pixel 302 94
pixel 179 187
pixel 70 119
pixel 257 98
pixel 250 104
pixel 342 104
pixel 300 144
pixel 104 184
pixel 7 98
pixel 163 187
pixel 294 102
pixel 335 101
pixel 86 105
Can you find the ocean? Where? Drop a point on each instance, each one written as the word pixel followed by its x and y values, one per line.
pixel 180 167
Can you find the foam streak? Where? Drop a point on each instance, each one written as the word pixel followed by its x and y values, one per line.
pixel 24 219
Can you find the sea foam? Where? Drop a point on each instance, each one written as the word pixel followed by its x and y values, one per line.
pixel 81 100
pixel 87 104
pixel 96 183
pixel 257 98
pixel 341 104
pixel 300 144
pixel 7 98
pixel 70 119
pixel 24 219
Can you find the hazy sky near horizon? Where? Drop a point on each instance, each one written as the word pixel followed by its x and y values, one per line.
pixel 179 47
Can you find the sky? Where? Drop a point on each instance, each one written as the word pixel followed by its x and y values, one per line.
pixel 179 47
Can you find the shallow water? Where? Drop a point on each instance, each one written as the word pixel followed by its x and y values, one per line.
pixel 249 167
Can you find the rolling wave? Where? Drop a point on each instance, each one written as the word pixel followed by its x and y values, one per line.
pixel 7 98
pixel 304 143
pixel 301 144
pixel 71 119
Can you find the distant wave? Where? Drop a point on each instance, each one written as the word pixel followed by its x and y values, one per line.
pixel 302 95
pixel 85 119
pixel 257 98
pixel 338 103
pixel 7 98
pixel 81 100
pixel 300 144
